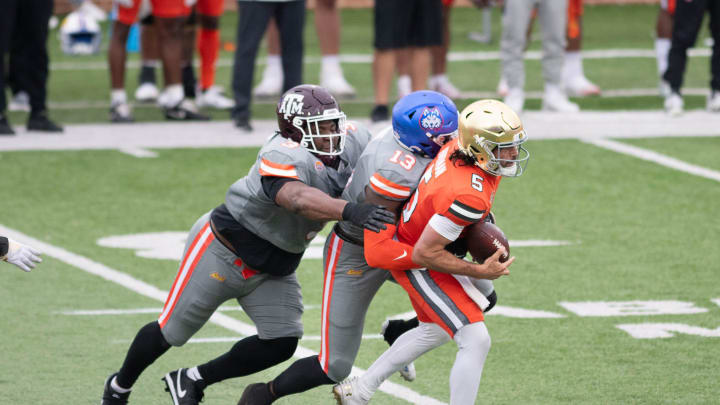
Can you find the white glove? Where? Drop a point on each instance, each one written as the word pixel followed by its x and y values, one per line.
pixel 22 256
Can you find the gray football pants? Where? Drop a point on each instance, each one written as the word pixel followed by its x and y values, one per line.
pixel 210 274
pixel 552 15
pixel 349 286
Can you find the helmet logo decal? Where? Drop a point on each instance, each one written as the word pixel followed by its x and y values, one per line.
pixel 292 104
pixel 431 119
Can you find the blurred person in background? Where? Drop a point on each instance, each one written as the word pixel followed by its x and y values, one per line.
pixel 438 54
pixel 516 20
pixel 687 23
pixel 327 26
pixel 168 18
pixel 663 37
pixel 574 81
pixel 398 24
pixel 253 20
pixel 24 29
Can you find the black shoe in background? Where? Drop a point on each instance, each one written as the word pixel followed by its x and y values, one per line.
pixel 379 113
pixel 242 121
pixel 40 122
pixel 5 128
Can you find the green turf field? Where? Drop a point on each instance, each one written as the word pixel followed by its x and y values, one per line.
pixel 626 311
pixel 84 80
pixel 637 232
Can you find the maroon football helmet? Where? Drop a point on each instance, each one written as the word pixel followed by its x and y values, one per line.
pixel 300 112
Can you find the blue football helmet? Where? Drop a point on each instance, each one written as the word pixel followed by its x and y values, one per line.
pixel 424 121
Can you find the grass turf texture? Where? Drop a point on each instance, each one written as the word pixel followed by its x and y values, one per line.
pixel 644 232
pixel 606 27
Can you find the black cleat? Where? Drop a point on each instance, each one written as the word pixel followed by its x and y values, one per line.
pixel 379 113
pixel 41 122
pixel 185 111
pixel 112 397
pixel 183 390
pixel 256 394
pixel 5 128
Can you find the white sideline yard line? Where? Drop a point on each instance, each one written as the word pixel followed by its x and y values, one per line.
pixel 222 134
pixel 364 58
pixel 150 291
pixel 655 157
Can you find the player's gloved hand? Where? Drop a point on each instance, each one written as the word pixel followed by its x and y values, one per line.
pixel 369 216
pixel 22 256
pixel 458 247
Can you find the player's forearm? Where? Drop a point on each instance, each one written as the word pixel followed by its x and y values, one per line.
pixel 312 203
pixel 383 252
pixel 443 261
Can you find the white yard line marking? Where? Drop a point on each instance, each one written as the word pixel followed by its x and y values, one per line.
pixel 655 157
pixel 150 291
pixel 139 152
pixel 361 58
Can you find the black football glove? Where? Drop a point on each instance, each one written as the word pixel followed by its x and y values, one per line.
pixel 490 217
pixel 458 247
pixel 368 216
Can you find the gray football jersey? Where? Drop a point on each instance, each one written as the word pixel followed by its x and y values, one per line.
pixel 389 169
pixel 249 205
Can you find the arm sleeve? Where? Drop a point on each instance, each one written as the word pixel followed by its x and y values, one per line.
pixel 271 185
pixel 384 252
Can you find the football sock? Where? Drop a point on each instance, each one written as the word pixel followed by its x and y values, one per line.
pixel 208 46
pixel 193 374
pixel 397 327
pixel 248 356
pixel 662 49
pixel 573 65
pixel 408 347
pixel 148 345
pixel 188 80
pixel 114 385
pixel 174 95
pixel 473 343
pixel 301 376
pixel 118 96
pixel 147 73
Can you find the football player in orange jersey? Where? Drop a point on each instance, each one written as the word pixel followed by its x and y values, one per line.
pixel 457 190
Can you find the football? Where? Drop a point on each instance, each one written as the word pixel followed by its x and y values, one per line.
pixel 483 239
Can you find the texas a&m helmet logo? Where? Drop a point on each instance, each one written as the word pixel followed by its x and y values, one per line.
pixel 431 119
pixel 292 104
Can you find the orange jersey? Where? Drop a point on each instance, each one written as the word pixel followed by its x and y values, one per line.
pixel 461 193
pixel 160 8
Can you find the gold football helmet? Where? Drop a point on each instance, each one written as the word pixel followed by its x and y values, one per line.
pixel 492 134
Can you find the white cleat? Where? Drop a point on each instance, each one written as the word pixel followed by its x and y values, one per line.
pixel 146 93
pixel 555 100
pixel 270 86
pixel 213 97
pixel 19 102
pixel 713 101
pixel 121 113
pixel 674 104
pixel 515 99
pixel 337 85
pixel 346 392
pixel 444 86
pixel 502 88
pixel 580 86
pixel 404 86
pixel 408 372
